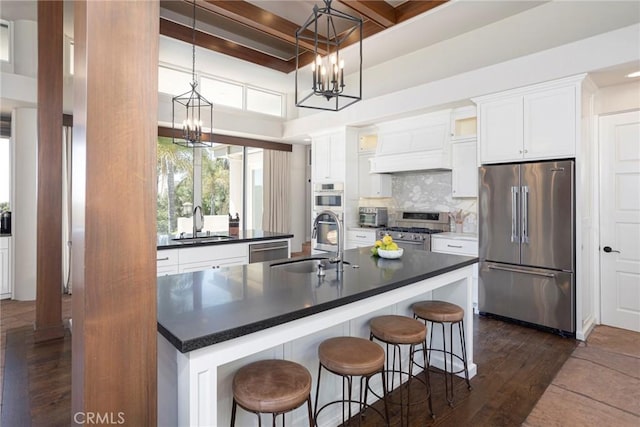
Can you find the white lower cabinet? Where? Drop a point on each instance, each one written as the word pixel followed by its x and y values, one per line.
pixel 360 237
pixel 459 244
pixel 214 256
pixel 5 265
pixel 185 260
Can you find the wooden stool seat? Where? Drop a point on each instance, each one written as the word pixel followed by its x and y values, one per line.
pixel 351 356
pixel 398 329
pixel 438 311
pixel 271 386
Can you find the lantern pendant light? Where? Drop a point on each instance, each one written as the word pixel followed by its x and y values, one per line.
pixel 191 111
pixel 324 87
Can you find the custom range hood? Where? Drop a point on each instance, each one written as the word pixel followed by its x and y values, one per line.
pixel 414 144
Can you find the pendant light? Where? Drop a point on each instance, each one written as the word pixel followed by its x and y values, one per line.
pixel 322 85
pixel 191 111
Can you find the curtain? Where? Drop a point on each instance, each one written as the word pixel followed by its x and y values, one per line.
pixel 67 134
pixel 276 216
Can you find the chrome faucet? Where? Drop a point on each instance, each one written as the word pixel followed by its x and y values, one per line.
pixel 339 255
pixel 197 227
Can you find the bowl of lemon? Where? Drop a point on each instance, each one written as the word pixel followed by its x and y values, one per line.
pixel 387 248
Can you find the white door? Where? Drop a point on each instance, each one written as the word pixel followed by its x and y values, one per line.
pixel 620 220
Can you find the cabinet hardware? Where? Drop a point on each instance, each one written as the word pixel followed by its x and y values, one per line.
pixel 608 249
pixel 454 246
pixel 163 259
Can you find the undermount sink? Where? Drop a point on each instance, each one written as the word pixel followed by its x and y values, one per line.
pixel 305 265
pixel 202 239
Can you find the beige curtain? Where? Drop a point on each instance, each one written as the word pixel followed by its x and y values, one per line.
pixel 276 214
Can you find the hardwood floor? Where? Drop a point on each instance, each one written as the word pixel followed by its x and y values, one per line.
pixel 515 366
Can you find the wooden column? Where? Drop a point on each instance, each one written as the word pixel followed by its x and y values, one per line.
pixel 113 206
pixel 49 247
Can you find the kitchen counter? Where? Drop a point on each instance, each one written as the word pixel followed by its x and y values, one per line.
pixel 166 242
pixel 212 322
pixel 235 301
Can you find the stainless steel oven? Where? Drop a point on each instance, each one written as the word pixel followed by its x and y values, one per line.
pixel 328 196
pixel 326 236
pixel 373 217
pixel 414 229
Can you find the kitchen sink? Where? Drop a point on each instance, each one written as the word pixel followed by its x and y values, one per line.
pixel 202 239
pixel 305 265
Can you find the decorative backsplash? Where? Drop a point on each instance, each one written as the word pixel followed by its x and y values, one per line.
pixel 426 191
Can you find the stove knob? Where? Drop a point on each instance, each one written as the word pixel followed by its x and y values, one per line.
pixel 400 236
pixel 417 237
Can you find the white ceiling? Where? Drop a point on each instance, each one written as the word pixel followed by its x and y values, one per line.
pixel 518 27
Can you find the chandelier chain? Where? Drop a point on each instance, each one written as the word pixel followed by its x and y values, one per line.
pixel 193 52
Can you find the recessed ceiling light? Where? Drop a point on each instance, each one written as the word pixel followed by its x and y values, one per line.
pixel 632 75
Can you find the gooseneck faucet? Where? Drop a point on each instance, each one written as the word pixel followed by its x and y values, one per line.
pixel 197 211
pixel 339 255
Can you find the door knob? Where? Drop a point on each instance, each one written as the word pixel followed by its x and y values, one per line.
pixel 608 249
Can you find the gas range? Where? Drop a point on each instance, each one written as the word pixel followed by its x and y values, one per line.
pixel 411 230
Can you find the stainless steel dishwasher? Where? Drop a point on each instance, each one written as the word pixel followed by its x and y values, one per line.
pixel 260 252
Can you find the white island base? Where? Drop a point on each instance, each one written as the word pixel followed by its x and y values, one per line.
pixel 194 389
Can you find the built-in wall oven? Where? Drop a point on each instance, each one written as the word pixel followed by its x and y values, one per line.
pixel 328 196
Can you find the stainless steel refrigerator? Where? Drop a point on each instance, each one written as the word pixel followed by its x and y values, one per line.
pixel 527 243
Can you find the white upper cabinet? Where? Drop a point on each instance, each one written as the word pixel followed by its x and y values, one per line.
pixel 329 157
pixel 550 122
pixel 501 130
pixel 532 123
pixel 371 184
pixel 464 169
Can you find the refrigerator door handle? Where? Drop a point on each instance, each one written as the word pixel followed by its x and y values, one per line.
pixel 515 270
pixel 525 216
pixel 514 215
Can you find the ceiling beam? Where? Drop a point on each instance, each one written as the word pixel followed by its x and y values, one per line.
pixel 262 20
pixel 380 12
pixel 207 41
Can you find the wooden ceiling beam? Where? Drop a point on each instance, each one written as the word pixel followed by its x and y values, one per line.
pixel 380 12
pixel 207 41
pixel 262 20
pixel 413 8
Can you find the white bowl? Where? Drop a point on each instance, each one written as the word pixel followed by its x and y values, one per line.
pixel 390 254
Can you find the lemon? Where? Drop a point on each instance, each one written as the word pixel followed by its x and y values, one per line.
pixel 378 243
pixel 387 240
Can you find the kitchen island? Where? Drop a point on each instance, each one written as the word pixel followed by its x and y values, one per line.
pixel 210 323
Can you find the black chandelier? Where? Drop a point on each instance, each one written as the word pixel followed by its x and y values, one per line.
pixel 327 89
pixel 192 110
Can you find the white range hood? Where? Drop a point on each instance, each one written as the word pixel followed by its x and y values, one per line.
pixel 417 143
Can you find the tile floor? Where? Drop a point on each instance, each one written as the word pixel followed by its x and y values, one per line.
pixel 598 386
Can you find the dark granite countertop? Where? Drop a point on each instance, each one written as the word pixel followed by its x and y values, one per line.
pixel 166 242
pixel 199 309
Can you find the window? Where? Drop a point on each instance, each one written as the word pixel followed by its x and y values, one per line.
pixel 173 82
pixel 5 176
pixel 264 102
pixel 175 187
pixel 5 41
pixel 219 92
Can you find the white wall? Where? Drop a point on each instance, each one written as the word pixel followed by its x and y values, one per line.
pixel 618 98
pixel 24 136
pixel 298 197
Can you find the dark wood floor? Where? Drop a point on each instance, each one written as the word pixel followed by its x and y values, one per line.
pixel 515 365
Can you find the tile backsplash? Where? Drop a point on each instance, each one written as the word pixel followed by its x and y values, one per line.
pixel 426 191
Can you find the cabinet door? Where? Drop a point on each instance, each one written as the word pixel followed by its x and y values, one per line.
pixel 464 174
pixel 328 158
pixel 550 124
pixel 501 129
pixel 165 270
pixel 371 184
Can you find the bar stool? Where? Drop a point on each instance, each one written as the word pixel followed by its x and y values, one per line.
pixel 271 387
pixel 349 357
pixel 396 331
pixel 442 312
